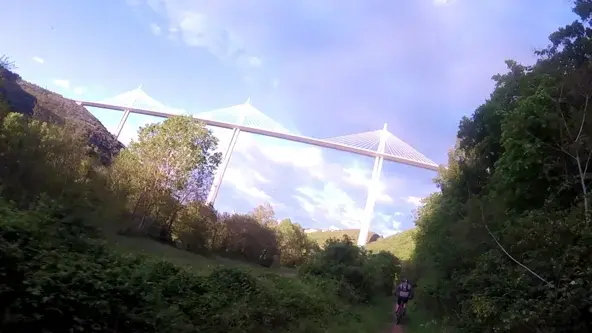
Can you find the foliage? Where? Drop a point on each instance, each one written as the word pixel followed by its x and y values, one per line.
pixel 17 95
pixel 294 245
pixel 55 280
pixel 39 159
pixel 321 237
pixel 264 214
pixel 361 275
pixel 171 163
pixel 6 63
pixel 505 246
pixel 401 245
pixel 58 274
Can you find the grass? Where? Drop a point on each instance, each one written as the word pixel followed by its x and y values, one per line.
pixel 371 318
pixel 418 322
pixel 200 264
pixel 401 245
pixel 321 236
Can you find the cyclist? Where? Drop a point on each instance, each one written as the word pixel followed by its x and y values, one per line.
pixel 404 293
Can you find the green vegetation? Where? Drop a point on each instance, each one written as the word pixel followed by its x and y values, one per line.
pixel 320 237
pixel 506 245
pixel 401 245
pixel 91 241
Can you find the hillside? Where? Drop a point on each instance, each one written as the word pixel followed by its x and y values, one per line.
pixel 401 245
pixel 320 237
pixel 32 100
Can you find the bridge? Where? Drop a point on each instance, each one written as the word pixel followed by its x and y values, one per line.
pixel 380 144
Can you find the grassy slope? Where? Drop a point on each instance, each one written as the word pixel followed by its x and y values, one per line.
pixel 321 236
pixel 371 318
pixel 401 244
pixel 200 264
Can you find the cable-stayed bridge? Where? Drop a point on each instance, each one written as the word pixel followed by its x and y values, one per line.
pixel 380 144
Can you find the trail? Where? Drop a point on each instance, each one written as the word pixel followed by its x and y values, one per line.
pixel 394 329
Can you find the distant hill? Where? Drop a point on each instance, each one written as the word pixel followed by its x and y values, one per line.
pixel 401 245
pixel 45 105
pixel 321 236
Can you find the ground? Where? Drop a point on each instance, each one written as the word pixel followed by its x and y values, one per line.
pixel 379 313
pixel 201 264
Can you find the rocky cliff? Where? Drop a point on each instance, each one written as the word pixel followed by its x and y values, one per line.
pixel 34 101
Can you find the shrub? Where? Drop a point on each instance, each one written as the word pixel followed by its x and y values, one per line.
pixel 57 277
pixel 359 275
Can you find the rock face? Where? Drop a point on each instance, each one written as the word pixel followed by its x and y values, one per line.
pixel 40 103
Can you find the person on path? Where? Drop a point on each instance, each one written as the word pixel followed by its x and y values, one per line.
pixel 403 293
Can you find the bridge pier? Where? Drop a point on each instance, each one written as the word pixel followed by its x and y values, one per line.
pixel 126 112
pixel 373 189
pixel 219 177
pixel 121 123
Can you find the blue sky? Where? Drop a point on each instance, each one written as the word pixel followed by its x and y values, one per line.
pixel 319 68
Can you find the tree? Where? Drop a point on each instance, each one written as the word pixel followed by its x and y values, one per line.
pixel 175 159
pixel 294 245
pixel 6 63
pixel 504 246
pixel 264 214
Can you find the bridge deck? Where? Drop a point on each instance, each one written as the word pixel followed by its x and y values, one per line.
pixel 273 134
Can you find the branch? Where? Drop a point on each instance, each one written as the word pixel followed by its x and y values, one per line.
pixel 587 162
pixel 558 108
pixel 510 256
pixel 558 148
pixel 583 119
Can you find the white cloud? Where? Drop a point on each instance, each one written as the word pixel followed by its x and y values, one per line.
pixel 416 201
pixel 320 191
pixel 326 193
pixel 337 195
pixel 275 83
pixel 192 23
pixel 255 62
pixel 244 181
pixel 155 28
pixel 442 2
pixel 79 90
pixel 388 227
pixel 65 84
pixel 38 60
pixel 330 196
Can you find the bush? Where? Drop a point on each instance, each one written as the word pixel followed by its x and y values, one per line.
pixel 360 275
pixel 57 277
pixel 57 274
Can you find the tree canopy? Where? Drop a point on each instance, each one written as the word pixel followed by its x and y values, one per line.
pixel 506 245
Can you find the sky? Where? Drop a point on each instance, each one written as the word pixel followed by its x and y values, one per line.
pixel 318 68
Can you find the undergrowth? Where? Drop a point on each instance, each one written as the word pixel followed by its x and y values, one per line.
pixel 58 276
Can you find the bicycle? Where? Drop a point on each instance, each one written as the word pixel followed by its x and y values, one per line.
pixel 400 313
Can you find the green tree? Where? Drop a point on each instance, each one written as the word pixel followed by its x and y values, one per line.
pixel 294 245
pixel 504 247
pixel 171 163
pixel 264 214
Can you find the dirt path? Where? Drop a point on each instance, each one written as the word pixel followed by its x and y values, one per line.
pixel 394 329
